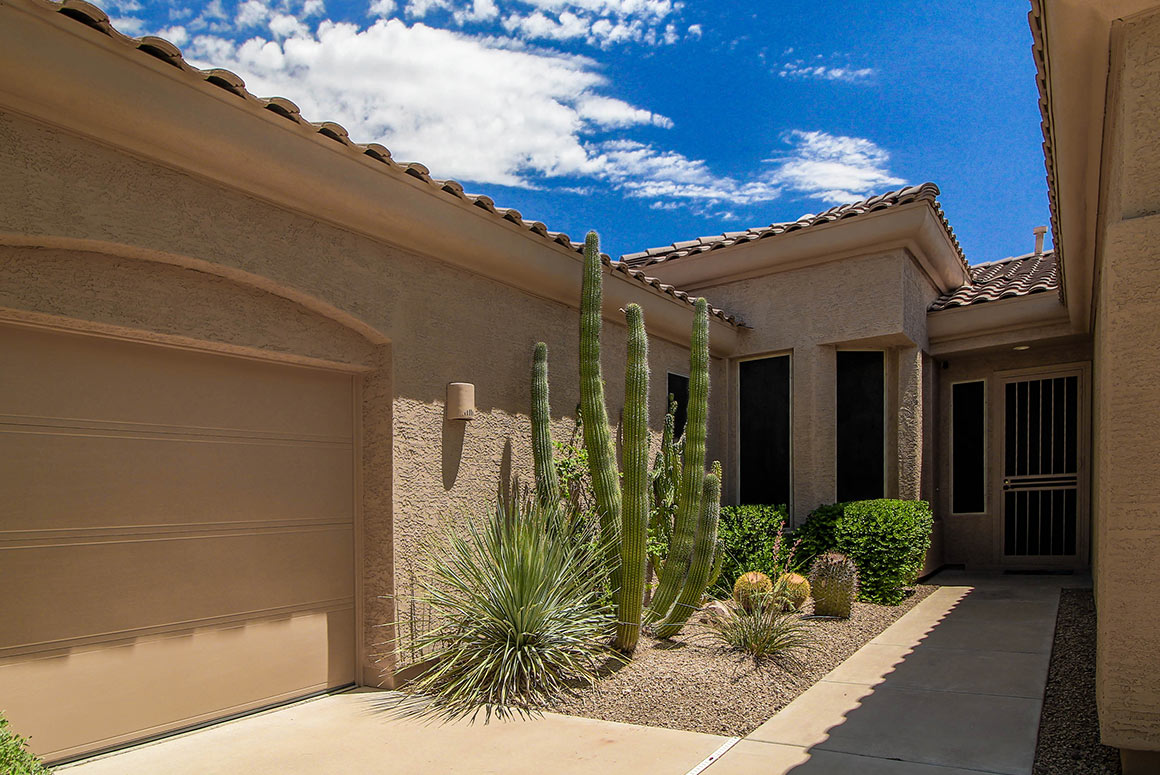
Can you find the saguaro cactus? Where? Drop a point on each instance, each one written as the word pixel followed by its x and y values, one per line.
pixel 547 481
pixel 597 434
pixel 701 563
pixel 634 522
pixel 676 565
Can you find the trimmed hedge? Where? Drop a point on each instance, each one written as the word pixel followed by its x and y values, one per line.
pixel 886 539
pixel 749 536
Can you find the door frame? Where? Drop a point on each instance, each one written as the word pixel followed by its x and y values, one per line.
pixel 998 407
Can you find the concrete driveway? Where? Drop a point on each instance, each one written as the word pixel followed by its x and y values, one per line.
pixel 346 734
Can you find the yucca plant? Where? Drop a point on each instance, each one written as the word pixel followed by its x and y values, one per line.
pixel 519 618
pixel 765 630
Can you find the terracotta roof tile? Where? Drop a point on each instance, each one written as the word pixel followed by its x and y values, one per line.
pixel 1018 276
pixel 927 192
pixel 163 50
pixel 1039 54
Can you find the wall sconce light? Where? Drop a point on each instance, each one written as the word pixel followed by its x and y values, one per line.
pixel 460 401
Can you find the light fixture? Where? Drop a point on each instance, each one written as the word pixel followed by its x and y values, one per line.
pixel 1021 347
pixel 460 401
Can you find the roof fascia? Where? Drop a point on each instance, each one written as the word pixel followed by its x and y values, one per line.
pixel 1075 37
pixel 914 227
pixel 1013 320
pixel 62 73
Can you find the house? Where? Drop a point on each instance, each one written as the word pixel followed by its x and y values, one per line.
pixel 227 335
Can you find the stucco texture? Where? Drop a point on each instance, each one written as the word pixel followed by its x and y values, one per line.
pixel 1126 422
pixel 877 301
pixel 144 249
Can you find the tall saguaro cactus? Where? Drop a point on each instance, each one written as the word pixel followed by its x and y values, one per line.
pixel 701 563
pixel 597 434
pixel 634 521
pixel 676 565
pixel 547 481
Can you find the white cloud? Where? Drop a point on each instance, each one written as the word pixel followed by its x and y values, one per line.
pixel 463 107
pixel 833 168
pixel 539 26
pixel 251 13
pixel 480 11
pixel 177 35
pixel 313 8
pixel 420 8
pixel 695 32
pixel 283 25
pixel 130 25
pixel 381 8
pixel 818 69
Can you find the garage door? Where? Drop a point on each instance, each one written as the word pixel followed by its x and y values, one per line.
pixel 175 537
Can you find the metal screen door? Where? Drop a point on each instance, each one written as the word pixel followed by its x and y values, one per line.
pixel 1043 432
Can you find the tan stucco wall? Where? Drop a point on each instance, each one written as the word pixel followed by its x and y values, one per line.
pixel 192 260
pixel 877 301
pixel 970 539
pixel 1127 398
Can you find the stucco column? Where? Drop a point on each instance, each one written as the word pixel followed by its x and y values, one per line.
pixel 814 418
pixel 908 423
pixel 376 541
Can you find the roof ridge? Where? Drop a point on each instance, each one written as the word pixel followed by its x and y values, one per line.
pixel 923 192
pixel 170 54
pixel 1023 257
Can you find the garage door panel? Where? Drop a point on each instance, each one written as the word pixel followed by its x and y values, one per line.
pixel 114 586
pixel 176 536
pixel 88 378
pixel 67 480
pixel 154 684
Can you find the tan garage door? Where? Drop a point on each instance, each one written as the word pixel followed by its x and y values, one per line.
pixel 175 536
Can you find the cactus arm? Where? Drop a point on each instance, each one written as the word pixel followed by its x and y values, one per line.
pixel 701 565
pixel 693 474
pixel 718 563
pixel 635 509
pixel 547 481
pixel 597 435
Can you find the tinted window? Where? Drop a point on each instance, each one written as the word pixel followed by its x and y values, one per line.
pixel 861 425
pixel 764 433
pixel 968 428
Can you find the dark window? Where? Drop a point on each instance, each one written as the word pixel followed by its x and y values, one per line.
pixel 679 390
pixel 861 425
pixel 968 456
pixel 765 436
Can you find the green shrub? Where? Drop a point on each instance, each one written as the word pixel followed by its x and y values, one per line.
pixel 766 630
pixel 816 535
pixel 15 758
pixel 886 539
pixel 518 614
pixel 751 539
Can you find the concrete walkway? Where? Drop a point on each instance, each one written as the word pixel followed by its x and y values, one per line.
pixel 348 734
pixel 954 687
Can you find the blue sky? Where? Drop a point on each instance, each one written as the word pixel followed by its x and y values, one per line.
pixel 657 120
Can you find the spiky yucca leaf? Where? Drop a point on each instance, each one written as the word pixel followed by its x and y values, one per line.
pixel 519 617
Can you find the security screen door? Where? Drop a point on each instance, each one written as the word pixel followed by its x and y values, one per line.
pixel 1043 492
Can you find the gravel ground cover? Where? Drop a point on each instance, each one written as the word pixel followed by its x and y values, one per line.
pixel 694 684
pixel 1069 734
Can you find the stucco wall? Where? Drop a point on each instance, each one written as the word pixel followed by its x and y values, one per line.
pixel 1127 373
pixel 970 538
pixel 877 301
pixel 190 256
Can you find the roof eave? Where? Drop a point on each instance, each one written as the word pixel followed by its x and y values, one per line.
pixel 1071 44
pixel 914 226
pixel 104 86
pixel 984 325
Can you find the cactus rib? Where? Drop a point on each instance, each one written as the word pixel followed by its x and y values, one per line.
pixel 597 435
pixel 547 481
pixel 676 565
pixel 635 507
pixel 701 565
